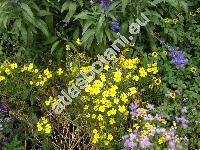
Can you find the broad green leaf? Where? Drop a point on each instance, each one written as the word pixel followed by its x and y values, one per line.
pixel 82 15
pixel 124 4
pixel 87 35
pixel 86 26
pixel 101 20
pixel 65 6
pixel 72 10
pixel 43 27
pixel 54 46
pixel 27 9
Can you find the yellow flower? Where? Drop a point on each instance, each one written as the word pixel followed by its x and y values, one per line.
pixel 130 130
pixel 106 142
pixel 86 107
pixel 102 108
pixel 39 126
pixel 13 65
pixel 172 95
pixel 122 108
pixel 142 72
pixel 165 52
pixel 133 90
pixel 136 126
pixel 161 140
pixel 102 77
pixel 78 41
pixel 154 54
pixel 47 102
pixel 192 13
pixel 60 71
pixel 144 132
pixel 132 44
pixel 175 20
pixel 87 115
pixel 100 117
pixel 106 67
pixel 2 78
pixel 68 47
pixel 136 101
pixel 112 112
pixel 112 121
pixel 44 120
pixel 116 100
pixel 136 78
pixel 36 71
pixel 93 116
pixel 30 67
pixel 157 81
pixel 193 69
pixel 31 82
pixel 7 71
pixel 47 128
pixel 110 137
pixel 95 131
pixel 163 121
pixel 166 20
pixel 198 10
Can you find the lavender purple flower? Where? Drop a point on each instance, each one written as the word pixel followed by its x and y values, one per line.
pixel 106 4
pixel 115 26
pixel 178 57
pixel 4 108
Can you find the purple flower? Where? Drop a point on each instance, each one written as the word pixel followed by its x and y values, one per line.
pixel 168 137
pixel 4 108
pixel 150 107
pixel 148 117
pixel 132 136
pixel 158 117
pixel 115 26
pixel 145 143
pixel 185 138
pixel 7 119
pixel 184 110
pixel 133 107
pixel 185 126
pixel 178 92
pixel 1 127
pixel 177 119
pixel 106 4
pixel 177 57
pixel 183 120
pixel 167 94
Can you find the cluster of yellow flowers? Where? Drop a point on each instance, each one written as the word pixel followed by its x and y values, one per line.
pixel 44 125
pixel 50 101
pixel 106 98
pixel 175 20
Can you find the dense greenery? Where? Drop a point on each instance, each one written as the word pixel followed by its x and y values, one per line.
pixel 146 97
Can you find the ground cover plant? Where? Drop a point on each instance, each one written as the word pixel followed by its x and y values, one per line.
pixel 146 96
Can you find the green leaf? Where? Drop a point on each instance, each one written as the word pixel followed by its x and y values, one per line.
pixel 72 10
pixel 82 15
pixel 101 20
pixel 43 27
pixel 86 26
pixel 27 9
pixel 124 4
pixel 54 46
pixel 65 6
pixel 87 35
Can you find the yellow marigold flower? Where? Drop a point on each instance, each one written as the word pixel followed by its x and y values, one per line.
pixel 167 20
pixel 102 108
pixel 68 47
pixel 110 137
pixel 100 117
pixel 39 126
pixel 193 70
pixel 13 65
pixel 144 132
pixel 36 71
pixel 136 78
pixel 95 131
pixel 93 116
pixel 122 108
pixel 133 90
pixel 106 67
pixel 132 44
pixel 106 142
pixel 112 121
pixel 116 100
pixel 175 20
pixel 163 121
pixel 161 140
pixel 157 81
pixel 130 130
pixel 165 52
pixel 102 77
pixel 2 78
pixel 172 95
pixel 123 97
pixel 78 41
pixel 154 54
pixel 86 107
pixel 60 71
pixel 7 71
pixel 30 67
pixel 87 115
